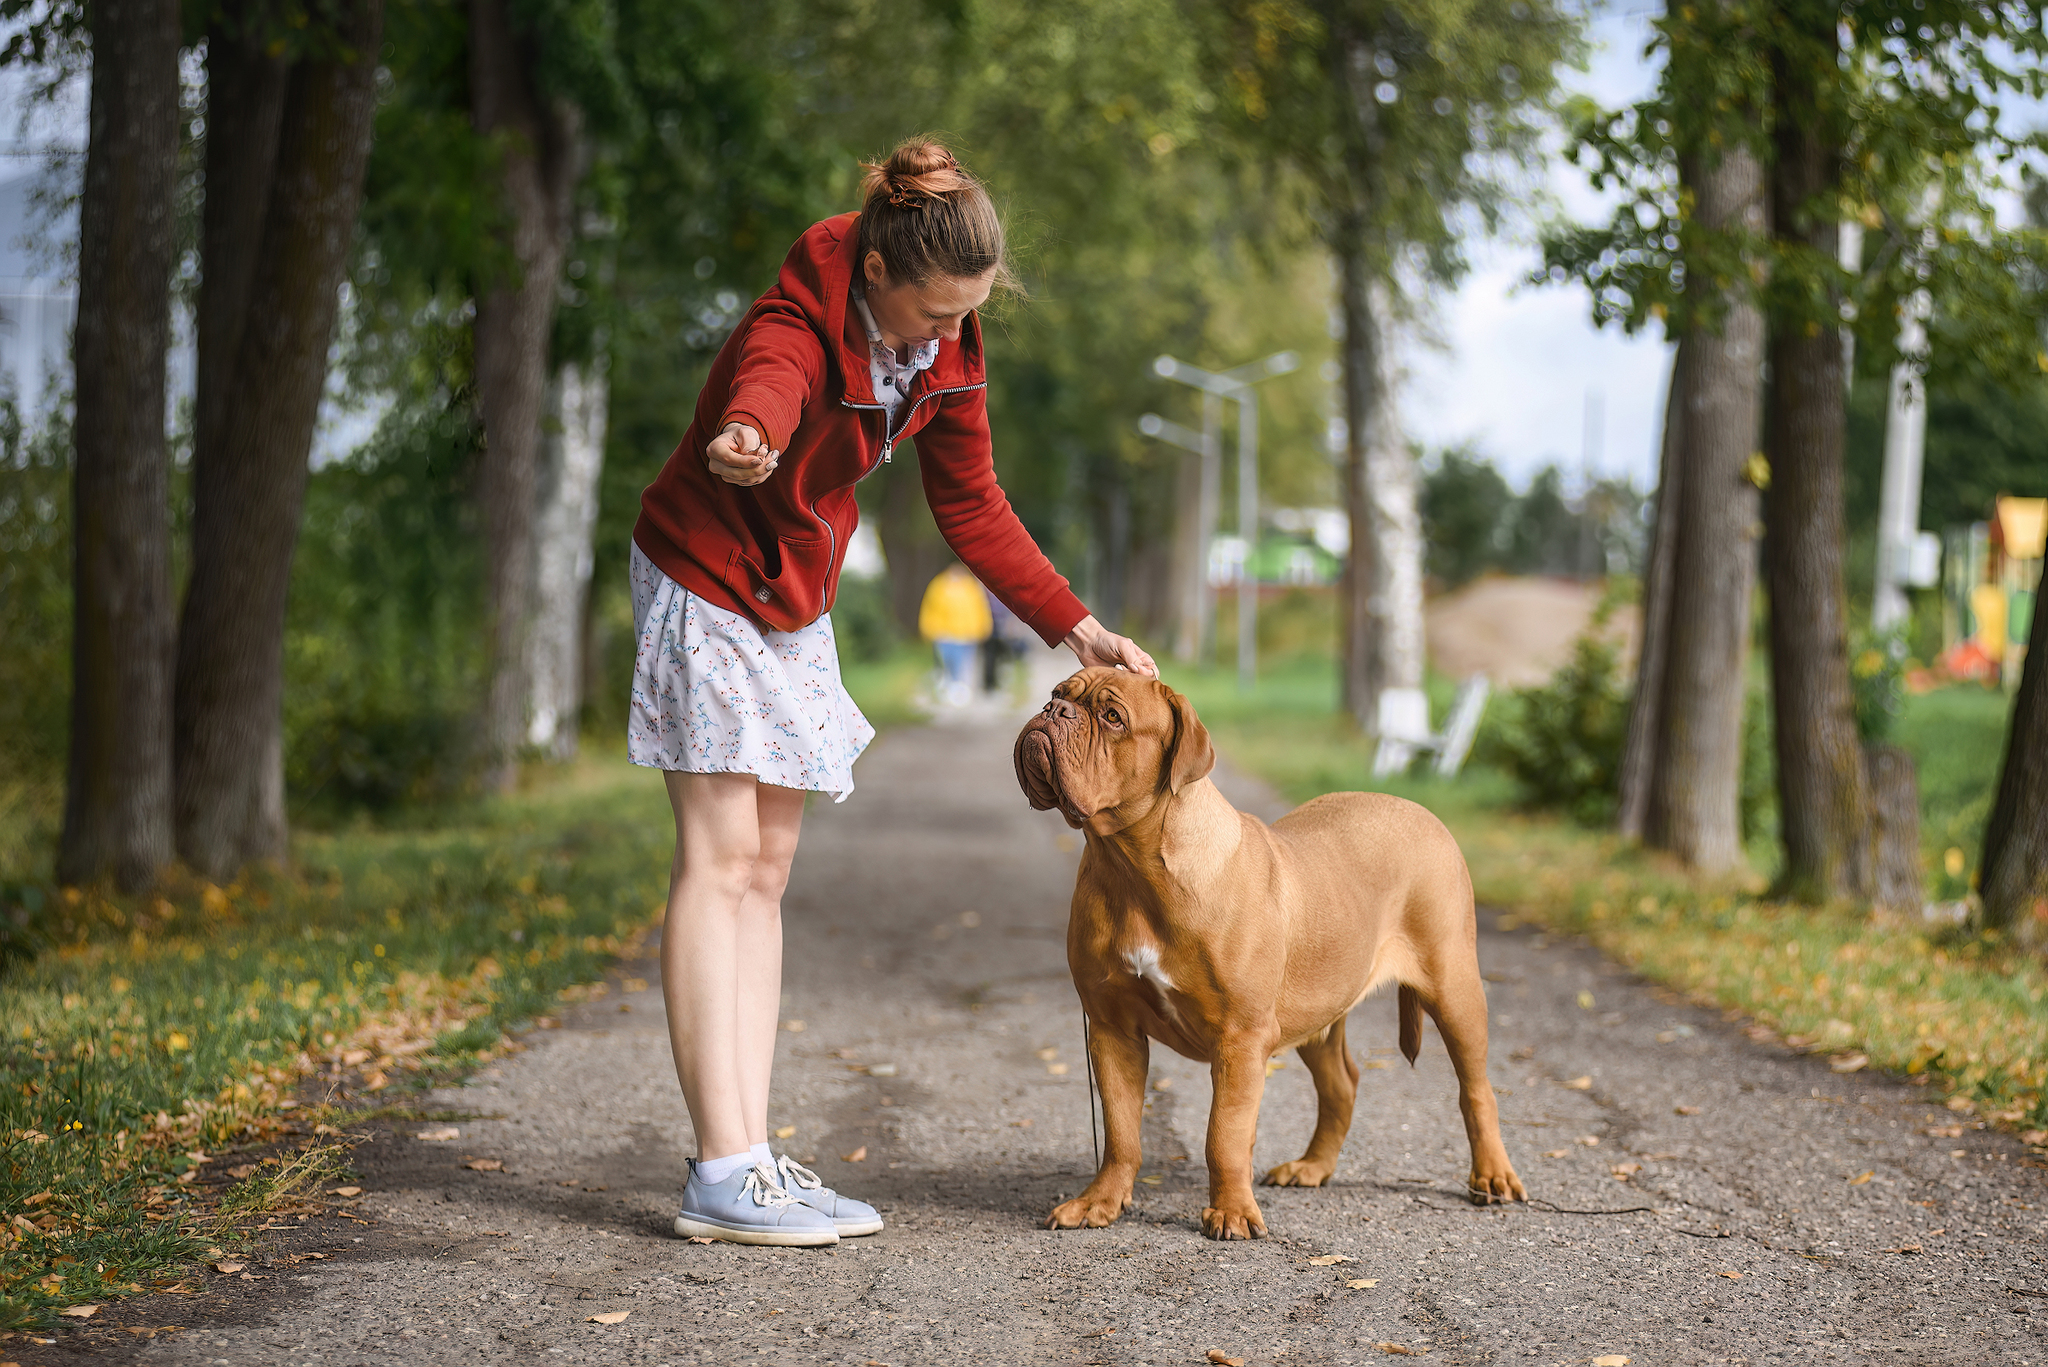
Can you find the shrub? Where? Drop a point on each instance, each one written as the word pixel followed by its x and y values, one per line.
pixel 1562 741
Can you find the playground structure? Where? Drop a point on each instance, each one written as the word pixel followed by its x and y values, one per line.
pixel 1991 575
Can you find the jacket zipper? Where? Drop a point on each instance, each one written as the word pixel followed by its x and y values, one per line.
pixel 889 430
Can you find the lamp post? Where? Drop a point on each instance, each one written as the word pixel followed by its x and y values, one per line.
pixel 1237 384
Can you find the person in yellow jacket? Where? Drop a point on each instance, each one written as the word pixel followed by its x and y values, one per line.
pixel 955 618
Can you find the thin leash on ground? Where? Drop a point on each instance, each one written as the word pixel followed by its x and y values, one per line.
pixel 1088 1048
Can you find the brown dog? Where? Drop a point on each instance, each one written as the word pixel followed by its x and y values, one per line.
pixel 1228 940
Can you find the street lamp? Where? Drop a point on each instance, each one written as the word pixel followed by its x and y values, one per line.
pixel 1237 384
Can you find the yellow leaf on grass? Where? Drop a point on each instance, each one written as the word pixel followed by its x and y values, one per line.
pixel 79 1312
pixel 1361 1283
pixel 609 1317
pixel 485 1165
pixel 785 1132
pixel 1223 1359
pixel 1579 1084
pixel 859 1155
pixel 241 1170
pixel 1860 1178
pixel 1329 1260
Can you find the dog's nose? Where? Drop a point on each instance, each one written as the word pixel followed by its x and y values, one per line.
pixel 1061 709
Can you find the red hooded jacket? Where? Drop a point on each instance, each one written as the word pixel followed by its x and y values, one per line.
pixel 796 370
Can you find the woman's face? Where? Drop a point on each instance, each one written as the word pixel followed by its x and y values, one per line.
pixel 911 315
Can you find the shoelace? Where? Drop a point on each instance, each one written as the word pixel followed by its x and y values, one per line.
pixel 799 1174
pixel 767 1191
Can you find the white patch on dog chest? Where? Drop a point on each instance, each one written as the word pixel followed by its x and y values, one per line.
pixel 1143 962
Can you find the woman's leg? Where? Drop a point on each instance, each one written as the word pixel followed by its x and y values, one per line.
pixel 781 817
pixel 703 948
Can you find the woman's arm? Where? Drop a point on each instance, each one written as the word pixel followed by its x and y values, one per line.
pixel 779 362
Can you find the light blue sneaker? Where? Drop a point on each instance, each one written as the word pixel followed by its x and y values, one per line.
pixel 750 1207
pixel 849 1217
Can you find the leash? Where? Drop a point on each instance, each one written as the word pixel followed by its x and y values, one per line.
pixel 1088 1047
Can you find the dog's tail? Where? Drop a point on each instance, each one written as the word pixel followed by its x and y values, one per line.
pixel 1411 1022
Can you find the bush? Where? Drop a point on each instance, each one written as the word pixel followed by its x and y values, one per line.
pixel 862 621
pixel 1562 741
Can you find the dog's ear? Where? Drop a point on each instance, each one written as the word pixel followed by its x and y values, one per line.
pixel 1189 756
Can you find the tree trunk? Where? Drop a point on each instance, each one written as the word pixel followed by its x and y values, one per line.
pixel 1823 790
pixel 1639 750
pixel 1362 674
pixel 1895 883
pixel 572 461
pixel 117 809
pixel 536 144
pixel 1695 791
pixel 2014 877
pixel 1396 496
pixel 248 489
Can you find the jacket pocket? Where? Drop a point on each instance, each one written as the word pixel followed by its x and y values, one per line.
pixel 794 596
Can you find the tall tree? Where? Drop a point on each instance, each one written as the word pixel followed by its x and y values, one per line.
pixel 537 137
pixel 1639 749
pixel 572 465
pixel 1823 789
pixel 2014 878
pixel 117 812
pixel 286 230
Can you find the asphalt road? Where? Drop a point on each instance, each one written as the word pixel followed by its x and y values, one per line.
pixel 941 1035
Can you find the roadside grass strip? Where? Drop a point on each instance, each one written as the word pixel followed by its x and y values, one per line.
pixel 150 1034
pixel 1950 1004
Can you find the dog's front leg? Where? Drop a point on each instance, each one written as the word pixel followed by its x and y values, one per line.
pixel 1121 1062
pixel 1237 1075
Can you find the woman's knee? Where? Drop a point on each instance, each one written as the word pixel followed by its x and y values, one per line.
pixel 726 871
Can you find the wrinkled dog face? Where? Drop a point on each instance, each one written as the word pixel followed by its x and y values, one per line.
pixel 1106 745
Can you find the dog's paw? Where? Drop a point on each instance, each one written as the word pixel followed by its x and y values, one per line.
pixel 1236 1222
pixel 1300 1173
pixel 1499 1186
pixel 1086 1211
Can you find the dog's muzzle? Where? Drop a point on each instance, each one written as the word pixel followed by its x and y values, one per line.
pixel 1035 772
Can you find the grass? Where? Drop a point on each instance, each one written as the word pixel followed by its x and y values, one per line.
pixel 1951 1004
pixel 149 1030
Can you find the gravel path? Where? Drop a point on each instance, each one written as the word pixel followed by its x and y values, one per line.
pixel 1708 1199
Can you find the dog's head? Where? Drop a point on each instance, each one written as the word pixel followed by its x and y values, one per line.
pixel 1107 746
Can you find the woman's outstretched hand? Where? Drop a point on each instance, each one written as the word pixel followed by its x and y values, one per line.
pixel 1095 644
pixel 739 456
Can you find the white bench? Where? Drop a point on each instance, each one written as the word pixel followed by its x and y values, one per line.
pixel 1404 728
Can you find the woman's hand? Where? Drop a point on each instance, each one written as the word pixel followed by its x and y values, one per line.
pixel 739 456
pixel 1095 644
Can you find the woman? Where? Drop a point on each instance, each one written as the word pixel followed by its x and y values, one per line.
pixel 868 336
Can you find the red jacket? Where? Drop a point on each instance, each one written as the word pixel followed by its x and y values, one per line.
pixel 796 370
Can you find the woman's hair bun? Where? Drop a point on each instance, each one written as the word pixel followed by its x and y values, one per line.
pixel 928 215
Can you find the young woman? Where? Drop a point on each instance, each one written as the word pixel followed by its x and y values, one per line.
pixel 868 336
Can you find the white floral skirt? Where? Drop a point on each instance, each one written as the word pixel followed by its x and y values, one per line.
pixel 715 694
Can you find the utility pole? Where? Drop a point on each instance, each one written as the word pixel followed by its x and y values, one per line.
pixel 1237 384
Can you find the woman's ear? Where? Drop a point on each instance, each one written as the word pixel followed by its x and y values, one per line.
pixel 1190 755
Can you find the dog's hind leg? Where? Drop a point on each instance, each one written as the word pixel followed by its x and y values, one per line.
pixel 1121 1061
pixel 1459 1011
pixel 1335 1072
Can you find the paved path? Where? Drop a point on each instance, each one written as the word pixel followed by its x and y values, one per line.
pixel 925 931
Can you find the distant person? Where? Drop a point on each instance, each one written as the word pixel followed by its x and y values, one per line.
pixel 868 336
pixel 955 618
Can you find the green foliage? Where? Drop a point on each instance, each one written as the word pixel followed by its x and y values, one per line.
pixel 1561 741
pixel 1465 504
pixel 1475 523
pixel 862 623
pixel 1877 668
pixel 1983 439
pixel 35 622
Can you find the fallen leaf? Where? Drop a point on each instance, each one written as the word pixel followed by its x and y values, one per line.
pixel 1624 1171
pixel 1848 1063
pixel 1023 1124
pixel 1056 1069
pixel 1960 1104
pixel 859 1155
pixel 1610 1360
pixel 881 1070
pixel 1048 1054
pixel 1361 1283
pixel 699 1239
pixel 241 1170
pixel 228 1269
pixel 1395 1349
pixel 610 1316
pixel 1330 1260
pixel 1579 1084
pixel 485 1165
pixel 1585 1001
pixel 1860 1178
pixel 354 1057
pixel 1154 1180
pixel 794 1027
pixel 1164 1084
pixel 346 1192
pixel 1591 1141
pixel 1731 1276
pixel 1904 1248
pixel 1556 1153
pixel 2034 1137
pixel 79 1312
pixel 439 1135
pixel 1223 1359
pixel 785 1132
pixel 1685 1110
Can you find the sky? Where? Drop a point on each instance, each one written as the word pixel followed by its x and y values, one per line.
pixel 1515 363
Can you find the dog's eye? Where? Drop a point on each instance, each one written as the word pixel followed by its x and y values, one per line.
pixel 1113 717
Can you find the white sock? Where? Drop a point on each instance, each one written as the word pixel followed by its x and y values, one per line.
pixel 763 1154
pixel 712 1171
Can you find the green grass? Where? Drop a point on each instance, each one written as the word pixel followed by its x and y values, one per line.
pixel 1957 739
pixel 1952 1004
pixel 151 1028
pixel 884 689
